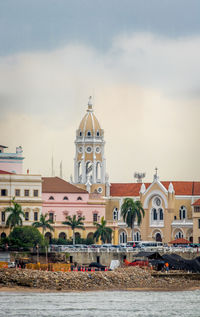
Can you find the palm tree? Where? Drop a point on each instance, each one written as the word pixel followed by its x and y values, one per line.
pixel 14 219
pixel 132 210
pixel 103 232
pixel 43 223
pixel 74 223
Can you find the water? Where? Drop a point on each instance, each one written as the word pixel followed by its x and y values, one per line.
pixel 91 304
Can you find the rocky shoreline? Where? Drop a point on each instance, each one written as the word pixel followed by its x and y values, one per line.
pixel 130 278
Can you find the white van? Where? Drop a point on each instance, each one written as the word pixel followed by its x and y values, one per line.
pixel 150 244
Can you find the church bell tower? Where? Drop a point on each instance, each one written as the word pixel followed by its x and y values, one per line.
pixel 89 161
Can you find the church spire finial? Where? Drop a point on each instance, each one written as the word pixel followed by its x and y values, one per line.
pixel 156 174
pixel 90 104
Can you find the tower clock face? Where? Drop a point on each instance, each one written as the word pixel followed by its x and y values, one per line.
pixel 88 149
pixel 98 149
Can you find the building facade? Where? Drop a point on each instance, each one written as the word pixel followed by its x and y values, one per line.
pixel 169 207
pixel 11 162
pixel 62 199
pixel 27 191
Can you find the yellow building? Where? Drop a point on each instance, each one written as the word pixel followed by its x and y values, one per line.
pixel 27 190
pixel 169 210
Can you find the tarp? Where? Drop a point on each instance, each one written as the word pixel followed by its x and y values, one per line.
pixel 98 265
pixel 176 262
pixel 180 241
pixel 114 264
pixel 136 263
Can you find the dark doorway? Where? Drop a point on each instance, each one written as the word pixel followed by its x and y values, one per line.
pixel 158 237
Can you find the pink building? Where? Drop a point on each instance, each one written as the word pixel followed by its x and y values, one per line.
pixel 11 162
pixel 61 199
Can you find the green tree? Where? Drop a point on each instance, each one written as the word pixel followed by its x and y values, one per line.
pixel 103 232
pixel 74 223
pixel 26 237
pixel 131 211
pixel 15 217
pixel 43 223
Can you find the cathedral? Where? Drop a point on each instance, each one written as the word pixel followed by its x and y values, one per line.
pixel 172 208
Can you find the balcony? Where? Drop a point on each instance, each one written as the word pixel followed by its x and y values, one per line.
pixel 182 223
pixel 157 223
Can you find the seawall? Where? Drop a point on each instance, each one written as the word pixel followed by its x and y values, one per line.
pixel 120 279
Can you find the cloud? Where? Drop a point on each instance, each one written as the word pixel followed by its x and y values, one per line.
pixel 169 65
pixel 146 93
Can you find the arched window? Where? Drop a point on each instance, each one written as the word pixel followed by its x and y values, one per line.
pixel 48 237
pixel 3 235
pixel 157 212
pixel 3 216
pixel 80 133
pixel 51 198
pixel 65 198
pixel 98 171
pixel 89 133
pixel 183 212
pixel 154 214
pixel 137 236
pixel 161 213
pixel 98 133
pixel 90 235
pixel 51 216
pixel 179 235
pixel 62 235
pixel 26 216
pixel 77 238
pixel 115 214
pixel 79 198
pixel 123 237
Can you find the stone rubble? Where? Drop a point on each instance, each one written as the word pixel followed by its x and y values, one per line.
pixel 120 279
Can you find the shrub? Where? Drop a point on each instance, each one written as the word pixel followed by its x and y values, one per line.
pixel 25 237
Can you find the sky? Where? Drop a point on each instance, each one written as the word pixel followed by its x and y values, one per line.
pixel 138 59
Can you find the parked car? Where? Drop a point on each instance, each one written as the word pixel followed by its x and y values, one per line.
pixel 133 244
pixel 11 264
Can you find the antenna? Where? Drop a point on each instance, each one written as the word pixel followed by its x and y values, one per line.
pixel 139 177
pixel 52 166
pixel 61 173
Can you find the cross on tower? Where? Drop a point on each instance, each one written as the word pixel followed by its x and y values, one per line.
pixel 156 174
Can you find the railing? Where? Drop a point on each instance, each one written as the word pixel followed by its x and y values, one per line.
pixel 182 222
pixel 123 250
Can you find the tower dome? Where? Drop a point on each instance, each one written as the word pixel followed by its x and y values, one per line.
pixel 89 126
pixel 89 161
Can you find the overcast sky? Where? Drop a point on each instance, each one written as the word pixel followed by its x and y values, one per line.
pixel 138 59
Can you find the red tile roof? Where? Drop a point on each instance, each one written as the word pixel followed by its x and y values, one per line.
pixel 133 189
pixel 5 172
pixel 196 203
pixel 180 241
pixel 58 185
pixel 125 189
